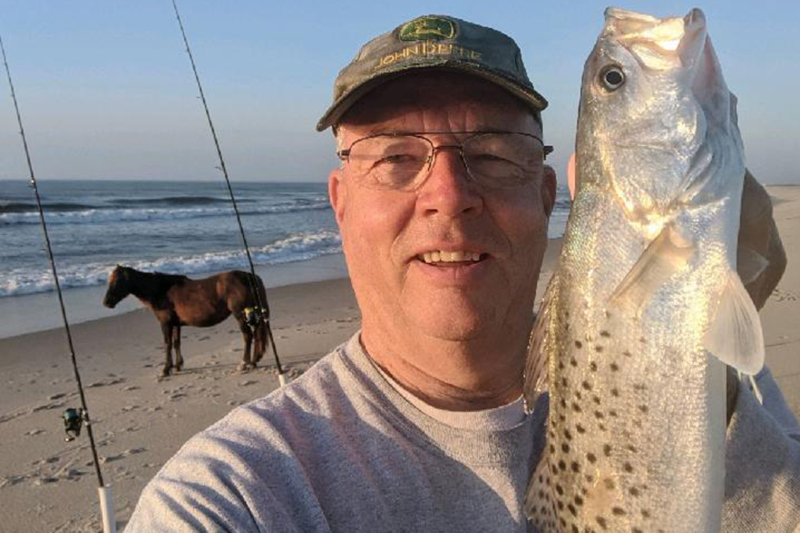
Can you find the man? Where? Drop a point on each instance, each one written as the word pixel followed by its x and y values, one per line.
pixel 417 424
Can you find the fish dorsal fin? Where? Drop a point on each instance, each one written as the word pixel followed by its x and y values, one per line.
pixel 735 336
pixel 667 254
pixel 536 365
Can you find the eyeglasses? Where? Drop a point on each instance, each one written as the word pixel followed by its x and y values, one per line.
pixel 403 161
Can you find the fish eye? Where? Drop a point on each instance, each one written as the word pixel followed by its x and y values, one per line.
pixel 612 78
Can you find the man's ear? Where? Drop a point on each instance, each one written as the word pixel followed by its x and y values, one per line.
pixel 548 189
pixel 337 192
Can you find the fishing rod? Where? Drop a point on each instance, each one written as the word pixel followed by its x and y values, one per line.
pixel 73 418
pixel 260 313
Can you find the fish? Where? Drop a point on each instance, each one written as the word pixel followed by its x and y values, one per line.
pixel 645 310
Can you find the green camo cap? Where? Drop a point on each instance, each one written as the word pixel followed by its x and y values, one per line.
pixel 433 41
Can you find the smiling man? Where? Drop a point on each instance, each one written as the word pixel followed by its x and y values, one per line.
pixel 417 423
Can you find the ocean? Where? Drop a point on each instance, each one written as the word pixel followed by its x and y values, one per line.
pixel 169 226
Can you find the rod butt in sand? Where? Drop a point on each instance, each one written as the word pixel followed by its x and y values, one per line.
pixel 107 509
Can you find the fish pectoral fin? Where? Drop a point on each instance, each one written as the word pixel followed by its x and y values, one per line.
pixel 537 508
pixel 667 254
pixel 735 336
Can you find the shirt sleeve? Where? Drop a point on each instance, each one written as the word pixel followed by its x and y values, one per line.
pixel 762 463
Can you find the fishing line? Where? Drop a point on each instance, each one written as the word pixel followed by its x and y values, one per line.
pixel 72 418
pixel 224 170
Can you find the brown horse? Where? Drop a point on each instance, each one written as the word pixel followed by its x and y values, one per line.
pixel 179 301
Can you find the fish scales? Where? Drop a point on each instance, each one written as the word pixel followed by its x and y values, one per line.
pixel 636 324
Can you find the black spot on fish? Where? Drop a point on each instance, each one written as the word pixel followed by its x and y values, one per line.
pixel 589 478
pixel 634 491
pixel 593 366
pixel 596 399
pixel 612 412
pixel 639 386
pixel 607 450
pixel 576 407
pixel 609 483
pixel 627 467
pixel 627 353
pixel 552 449
pixel 572 509
pixel 598 349
pixel 615 392
pixel 562 465
pixel 573 362
pixel 631 448
pixel 578 344
pixel 618 511
pixel 592 458
pixel 604 333
pixel 567 434
pixel 645 513
pixel 560 365
pixel 578 395
pixel 601 426
pixel 575 467
pixel 643 408
pixel 602 522
pixel 560 506
pixel 637 423
pixel 598 415
pixel 642 340
pixel 580 429
pixel 575 529
pixel 636 530
pixel 563 522
pixel 586 385
pixel 564 382
pixel 565 448
pixel 563 403
pixel 578 500
pixel 614 367
pixel 562 418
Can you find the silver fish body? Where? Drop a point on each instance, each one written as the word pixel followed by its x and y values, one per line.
pixel 646 306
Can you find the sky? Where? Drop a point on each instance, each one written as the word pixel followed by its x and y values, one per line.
pixel 106 91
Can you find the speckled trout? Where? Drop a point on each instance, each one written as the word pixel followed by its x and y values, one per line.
pixel 646 307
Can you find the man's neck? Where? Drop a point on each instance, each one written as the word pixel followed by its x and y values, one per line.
pixel 457 376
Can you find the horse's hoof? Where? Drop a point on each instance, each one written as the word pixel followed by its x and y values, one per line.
pixel 245 367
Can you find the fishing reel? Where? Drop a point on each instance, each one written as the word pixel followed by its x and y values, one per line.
pixel 253 316
pixel 73 422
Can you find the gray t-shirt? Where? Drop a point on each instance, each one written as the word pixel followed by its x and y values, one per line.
pixel 341 450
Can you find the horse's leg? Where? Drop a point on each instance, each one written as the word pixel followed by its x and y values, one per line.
pixel 176 344
pixel 247 333
pixel 166 328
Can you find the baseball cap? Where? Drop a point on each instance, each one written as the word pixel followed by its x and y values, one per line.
pixel 433 42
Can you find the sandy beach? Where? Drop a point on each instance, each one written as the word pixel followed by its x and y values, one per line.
pixel 47 484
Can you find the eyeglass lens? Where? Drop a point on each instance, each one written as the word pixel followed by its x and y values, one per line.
pixel 403 161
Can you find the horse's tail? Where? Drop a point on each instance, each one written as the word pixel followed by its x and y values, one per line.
pixel 261 334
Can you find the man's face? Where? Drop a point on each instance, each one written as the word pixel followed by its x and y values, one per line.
pixel 387 233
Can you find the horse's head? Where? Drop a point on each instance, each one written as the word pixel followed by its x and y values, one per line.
pixel 118 286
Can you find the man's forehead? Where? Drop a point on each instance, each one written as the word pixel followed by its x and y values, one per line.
pixel 412 97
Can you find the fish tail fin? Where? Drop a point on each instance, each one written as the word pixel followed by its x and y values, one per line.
pixel 735 336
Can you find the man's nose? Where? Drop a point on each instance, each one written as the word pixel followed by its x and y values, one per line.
pixel 449 189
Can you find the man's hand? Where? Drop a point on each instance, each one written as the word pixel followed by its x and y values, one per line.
pixel 761 259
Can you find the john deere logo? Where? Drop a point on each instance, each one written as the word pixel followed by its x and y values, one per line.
pixel 428 29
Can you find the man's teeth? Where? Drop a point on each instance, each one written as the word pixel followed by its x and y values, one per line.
pixel 450 257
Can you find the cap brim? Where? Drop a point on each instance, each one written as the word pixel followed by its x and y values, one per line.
pixel 527 95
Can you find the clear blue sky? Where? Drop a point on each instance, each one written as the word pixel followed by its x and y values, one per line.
pixel 106 91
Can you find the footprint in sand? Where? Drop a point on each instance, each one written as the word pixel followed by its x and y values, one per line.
pixel 782 295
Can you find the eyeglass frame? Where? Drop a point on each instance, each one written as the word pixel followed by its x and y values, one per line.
pixel 344 154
